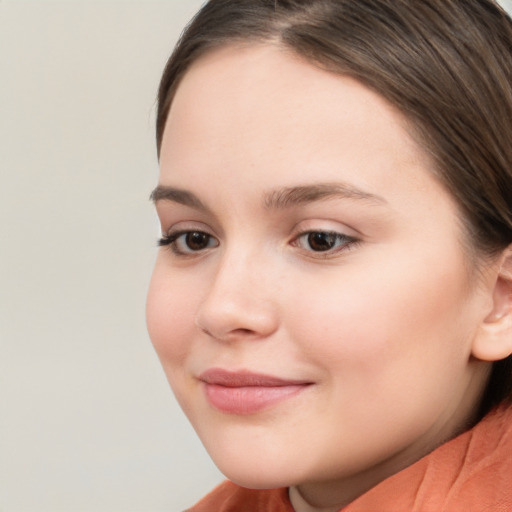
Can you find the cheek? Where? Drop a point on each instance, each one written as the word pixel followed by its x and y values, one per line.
pixel 391 346
pixel 170 313
pixel 170 317
pixel 387 317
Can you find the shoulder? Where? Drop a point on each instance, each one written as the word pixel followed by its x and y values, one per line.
pixel 229 497
pixel 470 473
pixel 484 479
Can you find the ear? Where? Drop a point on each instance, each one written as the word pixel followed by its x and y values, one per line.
pixel 494 339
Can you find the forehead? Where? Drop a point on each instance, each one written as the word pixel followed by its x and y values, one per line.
pixel 246 113
pixel 251 84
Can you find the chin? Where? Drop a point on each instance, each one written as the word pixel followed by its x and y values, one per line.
pixel 251 479
pixel 261 472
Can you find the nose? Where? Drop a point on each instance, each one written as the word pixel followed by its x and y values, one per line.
pixel 238 304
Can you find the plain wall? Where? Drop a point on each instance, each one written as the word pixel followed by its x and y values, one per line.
pixel 87 422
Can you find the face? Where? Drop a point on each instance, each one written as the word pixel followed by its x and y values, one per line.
pixel 311 304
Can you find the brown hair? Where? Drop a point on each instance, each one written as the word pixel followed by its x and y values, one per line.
pixel 445 64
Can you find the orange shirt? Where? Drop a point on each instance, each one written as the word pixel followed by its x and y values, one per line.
pixel 470 473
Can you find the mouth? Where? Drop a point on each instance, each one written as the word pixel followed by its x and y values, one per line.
pixel 244 393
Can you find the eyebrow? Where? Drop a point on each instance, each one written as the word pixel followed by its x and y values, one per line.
pixel 292 196
pixel 177 195
pixel 275 199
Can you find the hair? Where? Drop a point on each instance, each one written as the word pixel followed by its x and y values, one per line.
pixel 446 65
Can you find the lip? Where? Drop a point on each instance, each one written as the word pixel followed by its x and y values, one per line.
pixel 246 392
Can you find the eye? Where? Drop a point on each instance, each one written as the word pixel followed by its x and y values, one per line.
pixel 188 242
pixel 324 241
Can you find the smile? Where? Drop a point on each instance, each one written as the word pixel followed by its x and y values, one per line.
pixel 245 393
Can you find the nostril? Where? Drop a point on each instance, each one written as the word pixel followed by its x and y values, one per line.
pixel 244 331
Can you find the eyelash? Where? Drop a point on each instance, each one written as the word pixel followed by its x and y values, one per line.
pixel 341 242
pixel 171 240
pixel 345 242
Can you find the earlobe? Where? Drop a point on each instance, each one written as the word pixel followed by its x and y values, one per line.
pixel 494 339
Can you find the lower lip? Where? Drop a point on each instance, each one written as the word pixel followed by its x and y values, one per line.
pixel 249 399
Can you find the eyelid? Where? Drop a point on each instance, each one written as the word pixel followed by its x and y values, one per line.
pixel 325 226
pixel 351 237
pixel 170 237
pixel 185 226
pixel 172 241
pixel 348 241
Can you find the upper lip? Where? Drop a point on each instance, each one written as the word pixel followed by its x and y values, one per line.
pixel 234 379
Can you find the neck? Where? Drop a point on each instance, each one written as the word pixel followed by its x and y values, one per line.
pixel 331 496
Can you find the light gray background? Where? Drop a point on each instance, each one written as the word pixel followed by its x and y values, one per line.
pixel 87 422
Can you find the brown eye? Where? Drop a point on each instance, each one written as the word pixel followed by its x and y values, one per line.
pixel 197 240
pixel 322 241
pixel 185 243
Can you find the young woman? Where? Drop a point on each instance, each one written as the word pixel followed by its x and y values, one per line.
pixel 332 299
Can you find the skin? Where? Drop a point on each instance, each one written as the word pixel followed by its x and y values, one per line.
pixel 382 327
